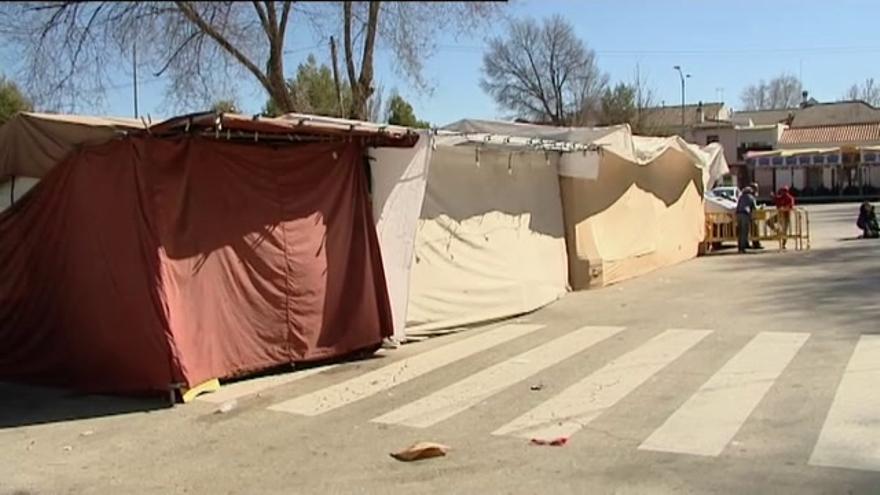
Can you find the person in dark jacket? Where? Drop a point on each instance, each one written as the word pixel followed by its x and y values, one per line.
pixel 867 221
pixel 745 208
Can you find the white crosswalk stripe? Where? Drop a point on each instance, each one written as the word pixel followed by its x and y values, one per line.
pixel 237 390
pixel 464 394
pixel 707 422
pixel 402 371
pixel 568 412
pixel 850 437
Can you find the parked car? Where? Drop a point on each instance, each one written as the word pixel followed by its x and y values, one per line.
pixel 719 203
pixel 726 192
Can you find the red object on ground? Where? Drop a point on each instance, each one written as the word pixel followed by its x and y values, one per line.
pixel 555 442
pixel 145 262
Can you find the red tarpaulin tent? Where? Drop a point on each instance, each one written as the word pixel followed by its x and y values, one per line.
pixel 147 262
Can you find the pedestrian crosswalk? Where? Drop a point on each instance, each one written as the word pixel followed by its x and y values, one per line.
pixel 704 422
pixel 464 394
pixel 569 411
pixel 707 422
pixel 850 437
pixel 402 371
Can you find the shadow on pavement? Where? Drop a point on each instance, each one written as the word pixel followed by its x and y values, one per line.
pixel 839 282
pixel 23 405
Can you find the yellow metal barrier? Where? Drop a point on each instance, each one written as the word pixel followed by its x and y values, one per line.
pixel 767 225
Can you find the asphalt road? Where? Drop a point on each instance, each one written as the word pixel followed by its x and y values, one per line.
pixel 726 374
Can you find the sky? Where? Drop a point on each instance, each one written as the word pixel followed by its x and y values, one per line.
pixel 725 45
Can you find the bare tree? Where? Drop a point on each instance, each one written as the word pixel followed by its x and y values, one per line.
pixel 629 103
pixel 204 48
pixel 544 72
pixel 644 101
pixel 783 91
pixel 868 92
pixel 409 29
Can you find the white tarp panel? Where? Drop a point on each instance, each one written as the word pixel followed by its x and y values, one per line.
pixel 580 165
pixel 8 193
pixel 716 163
pixel 399 177
pixel 490 242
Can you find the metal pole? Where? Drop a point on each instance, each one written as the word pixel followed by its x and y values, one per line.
pixel 683 77
pixel 135 76
pixel 682 107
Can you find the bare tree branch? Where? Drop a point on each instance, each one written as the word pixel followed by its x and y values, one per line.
pixel 543 72
pixel 71 50
pixel 285 15
pixel 193 16
pixel 264 20
pixel 347 42
pixel 177 52
pixel 783 91
pixel 868 92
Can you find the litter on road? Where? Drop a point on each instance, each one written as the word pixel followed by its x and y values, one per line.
pixel 421 450
pixel 554 442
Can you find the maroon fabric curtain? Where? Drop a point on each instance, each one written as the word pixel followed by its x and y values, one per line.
pixel 145 262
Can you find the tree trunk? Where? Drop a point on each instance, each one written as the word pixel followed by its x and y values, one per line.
pixel 334 58
pixel 362 85
pixel 278 90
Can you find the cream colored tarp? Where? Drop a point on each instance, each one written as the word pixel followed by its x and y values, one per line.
pixel 399 178
pixel 635 206
pixel 632 219
pixel 32 143
pixel 490 240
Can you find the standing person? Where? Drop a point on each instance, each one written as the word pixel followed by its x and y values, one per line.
pixel 745 207
pixel 756 231
pixel 867 221
pixel 784 204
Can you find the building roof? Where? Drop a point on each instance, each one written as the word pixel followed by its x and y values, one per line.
pixel 814 114
pixel 836 113
pixel 836 134
pixel 670 116
pixel 765 117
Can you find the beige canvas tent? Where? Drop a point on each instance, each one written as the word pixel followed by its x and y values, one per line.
pixel 486 220
pixel 471 230
pixel 631 206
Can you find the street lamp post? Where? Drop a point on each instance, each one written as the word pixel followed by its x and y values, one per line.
pixel 683 76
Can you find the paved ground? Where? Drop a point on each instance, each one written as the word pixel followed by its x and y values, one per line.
pixel 727 374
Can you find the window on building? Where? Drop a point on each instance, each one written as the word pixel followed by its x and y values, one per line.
pixel 711 138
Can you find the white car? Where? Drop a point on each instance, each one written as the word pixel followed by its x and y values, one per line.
pixel 726 192
pixel 719 203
